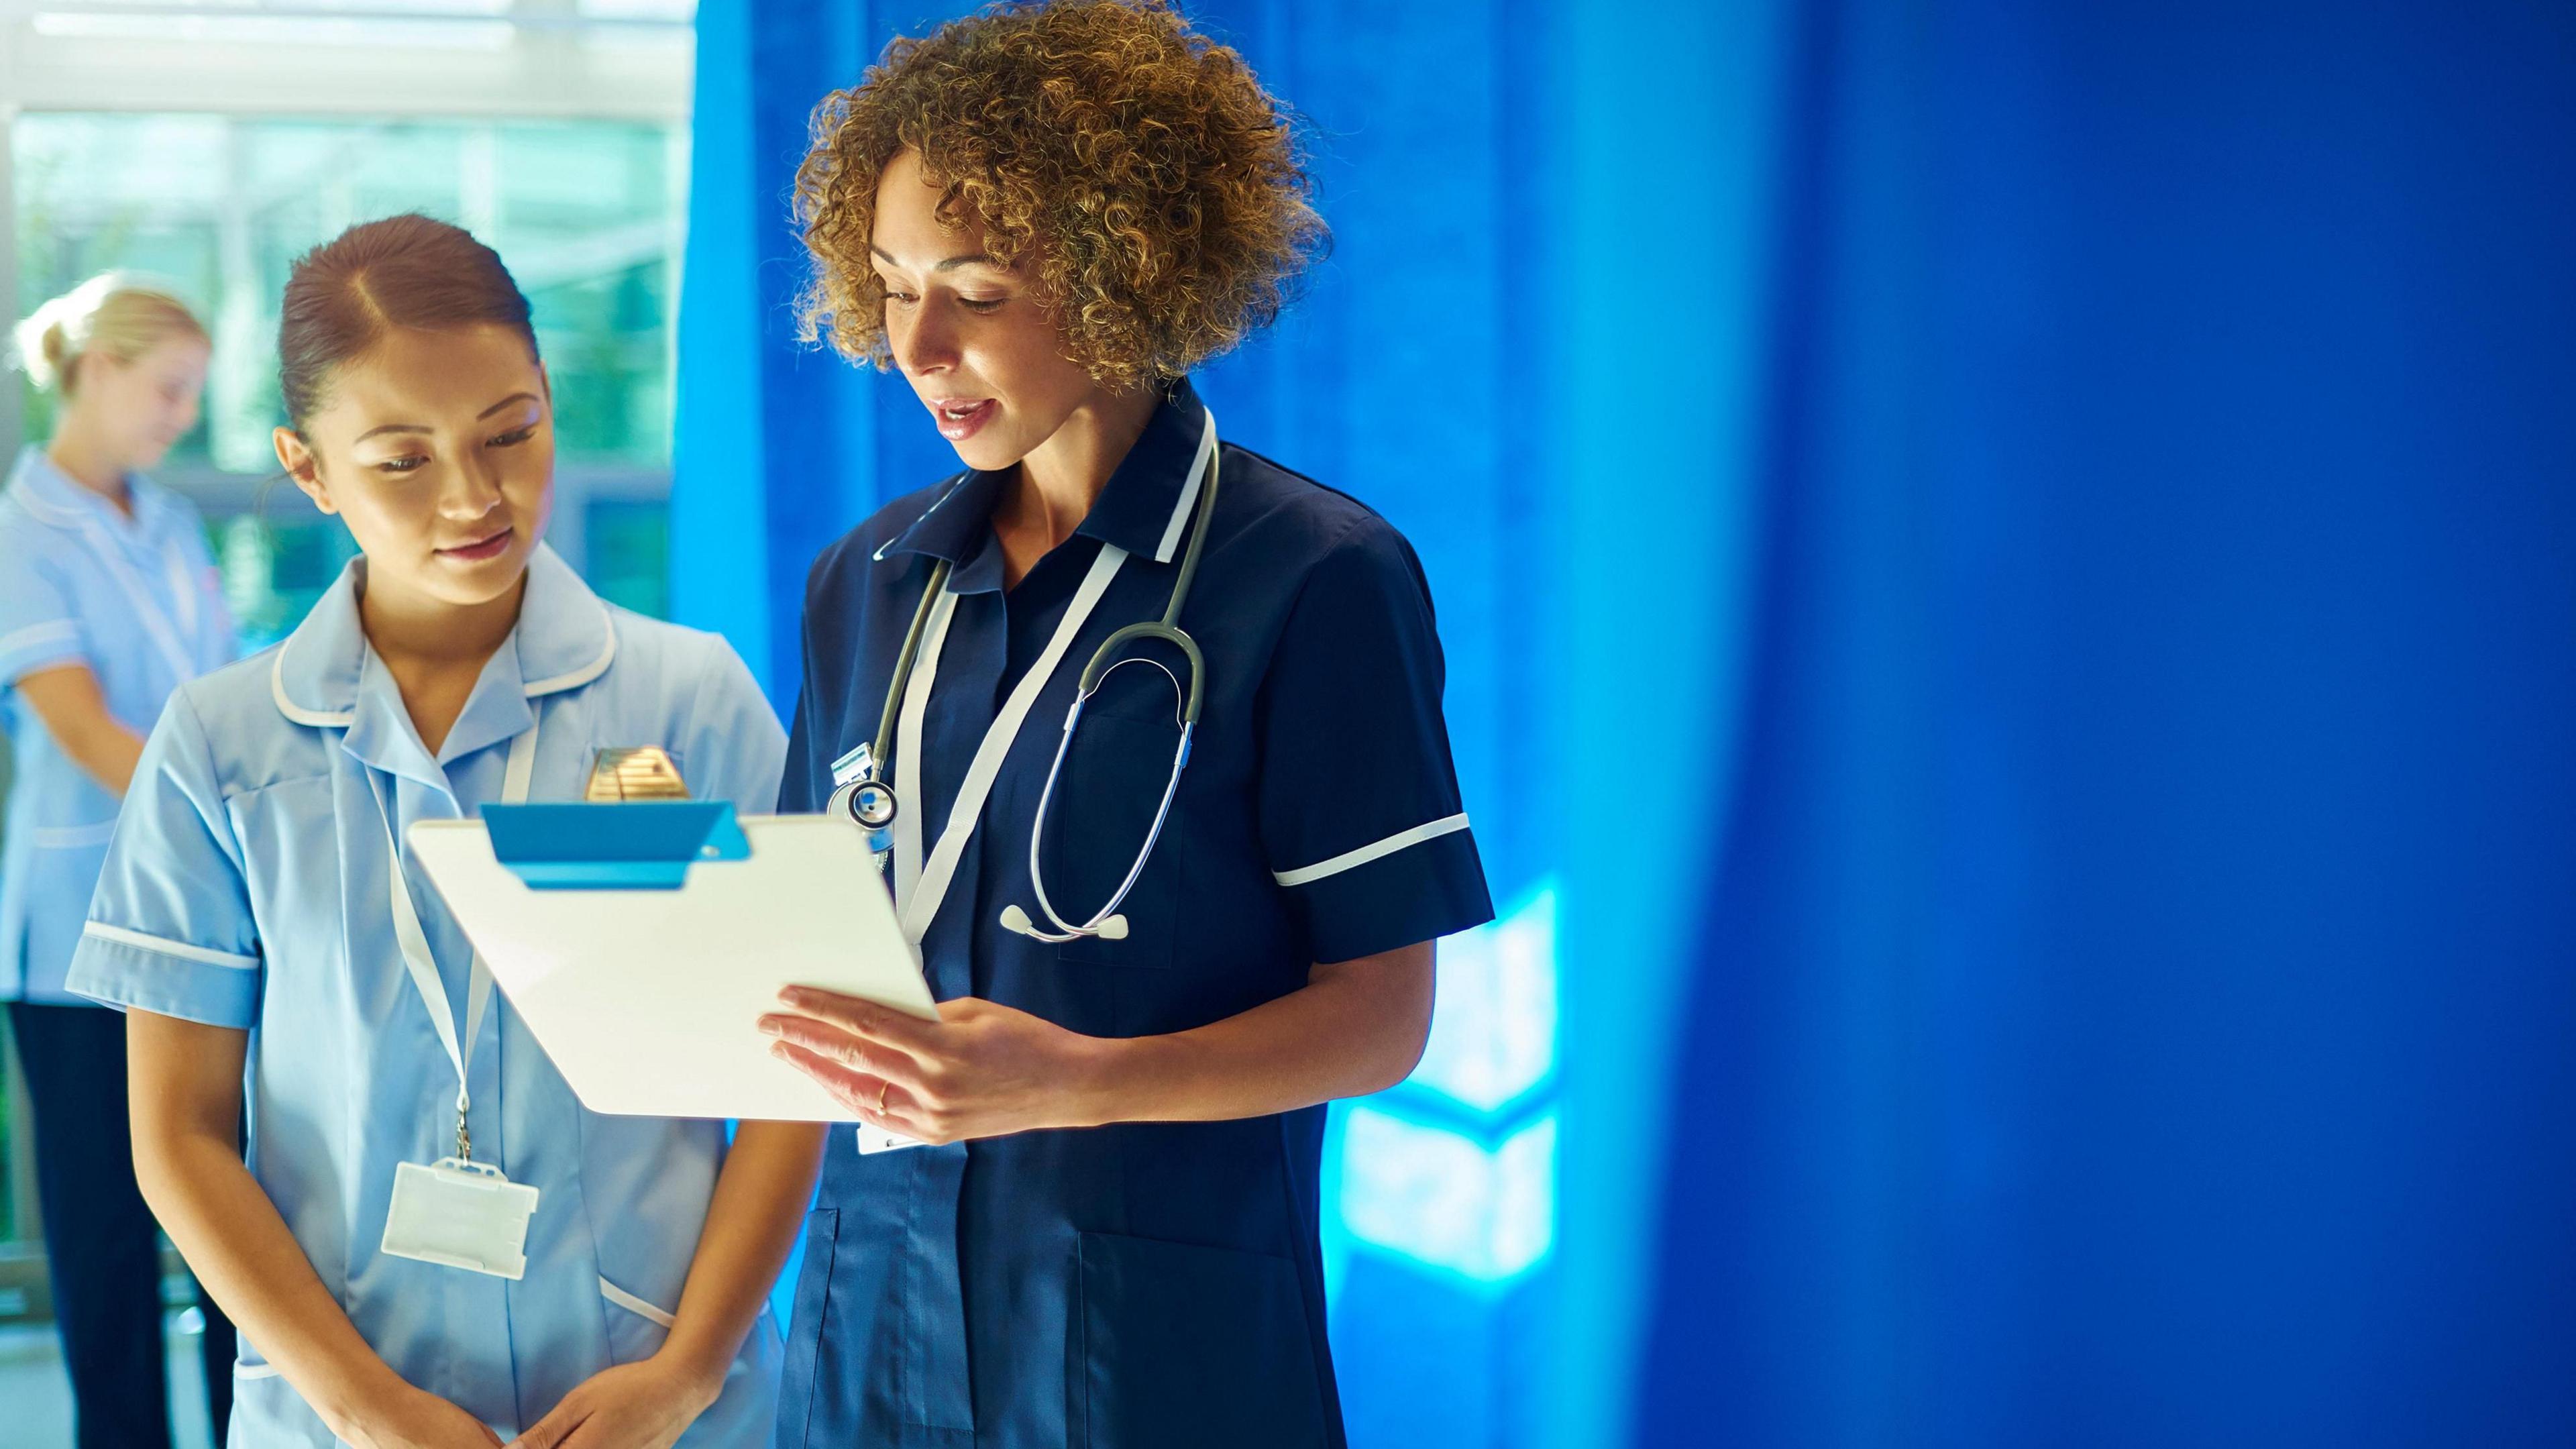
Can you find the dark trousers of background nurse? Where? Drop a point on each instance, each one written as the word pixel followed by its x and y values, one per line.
pixel 101 1244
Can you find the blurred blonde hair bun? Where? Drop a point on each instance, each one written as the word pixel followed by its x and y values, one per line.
pixel 114 314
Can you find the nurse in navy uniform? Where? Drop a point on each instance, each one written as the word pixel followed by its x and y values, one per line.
pixel 1163 940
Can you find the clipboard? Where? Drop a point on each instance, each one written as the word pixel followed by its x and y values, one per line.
pixel 642 942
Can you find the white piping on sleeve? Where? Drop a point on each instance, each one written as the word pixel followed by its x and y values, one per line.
pixel 166 947
pixel 1352 859
pixel 62 631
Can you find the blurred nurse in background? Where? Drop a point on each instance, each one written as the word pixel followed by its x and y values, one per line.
pixel 108 602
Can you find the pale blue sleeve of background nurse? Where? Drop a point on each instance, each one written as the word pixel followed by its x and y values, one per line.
pixel 732 746
pixel 38 625
pixel 170 928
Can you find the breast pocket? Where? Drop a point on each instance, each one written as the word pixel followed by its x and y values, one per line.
pixel 1108 793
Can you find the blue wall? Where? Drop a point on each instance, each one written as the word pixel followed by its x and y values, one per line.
pixel 2132 999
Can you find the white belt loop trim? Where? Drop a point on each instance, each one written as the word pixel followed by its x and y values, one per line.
pixel 63 629
pixel 254 1371
pixel 166 947
pixel 635 1305
pixel 70 837
pixel 1351 859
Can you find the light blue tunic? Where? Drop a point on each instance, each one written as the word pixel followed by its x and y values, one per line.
pixel 247 886
pixel 136 599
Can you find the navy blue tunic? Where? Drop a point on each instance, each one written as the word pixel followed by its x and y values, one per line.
pixel 1139 1284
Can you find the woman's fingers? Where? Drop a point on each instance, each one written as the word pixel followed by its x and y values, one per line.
pixel 834 1044
pixel 864 1018
pixel 878 1102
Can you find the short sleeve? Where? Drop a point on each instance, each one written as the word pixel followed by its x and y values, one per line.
pixel 38 626
pixel 802 791
pixel 170 928
pixel 733 746
pixel 1360 814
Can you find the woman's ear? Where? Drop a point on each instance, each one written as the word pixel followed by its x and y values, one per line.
pixel 297 459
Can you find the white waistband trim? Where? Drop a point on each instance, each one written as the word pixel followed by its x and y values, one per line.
pixel 635 1305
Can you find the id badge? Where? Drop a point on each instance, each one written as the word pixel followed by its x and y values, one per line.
pixel 874 1139
pixel 460 1215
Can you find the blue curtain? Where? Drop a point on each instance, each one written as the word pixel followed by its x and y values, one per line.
pixel 2131 999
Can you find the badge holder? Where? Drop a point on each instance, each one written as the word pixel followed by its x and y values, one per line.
pixel 460 1214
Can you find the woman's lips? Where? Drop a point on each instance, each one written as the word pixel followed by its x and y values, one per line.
pixel 960 420
pixel 481 550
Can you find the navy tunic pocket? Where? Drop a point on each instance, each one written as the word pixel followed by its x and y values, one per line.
pixel 805 1342
pixel 1183 1347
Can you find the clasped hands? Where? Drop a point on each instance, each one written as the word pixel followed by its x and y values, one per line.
pixel 981 1070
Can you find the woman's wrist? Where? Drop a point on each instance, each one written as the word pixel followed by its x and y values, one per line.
pixel 1111 1077
pixel 696 1366
pixel 357 1397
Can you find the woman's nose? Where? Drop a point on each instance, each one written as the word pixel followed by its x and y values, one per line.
pixel 921 344
pixel 473 490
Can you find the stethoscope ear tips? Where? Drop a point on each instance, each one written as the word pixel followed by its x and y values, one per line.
pixel 1016 920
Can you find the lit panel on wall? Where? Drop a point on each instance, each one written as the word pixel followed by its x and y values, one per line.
pixel 1441 1199
pixel 1493 1032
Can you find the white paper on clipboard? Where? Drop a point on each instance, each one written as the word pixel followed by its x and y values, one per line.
pixel 649 1001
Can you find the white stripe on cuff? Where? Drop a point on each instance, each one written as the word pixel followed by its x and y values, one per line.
pixel 60 631
pixel 1350 859
pixel 70 837
pixel 180 949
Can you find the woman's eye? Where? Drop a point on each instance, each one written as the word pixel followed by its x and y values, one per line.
pixel 515 437
pixel 402 465
pixel 981 304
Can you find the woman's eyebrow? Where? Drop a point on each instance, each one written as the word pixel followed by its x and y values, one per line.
pixel 423 428
pixel 947 265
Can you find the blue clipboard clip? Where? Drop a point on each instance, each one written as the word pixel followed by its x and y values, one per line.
pixel 636 845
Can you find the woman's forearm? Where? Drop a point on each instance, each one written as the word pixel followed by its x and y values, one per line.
pixel 1356 1027
pixel 193 1177
pixel 67 699
pixel 759 1203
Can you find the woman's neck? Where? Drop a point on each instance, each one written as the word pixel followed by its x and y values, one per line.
pixel 1062 477
pixel 435 650
pixel 80 458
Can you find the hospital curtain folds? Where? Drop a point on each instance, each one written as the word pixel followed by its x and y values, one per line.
pixel 1410 375
pixel 2129 996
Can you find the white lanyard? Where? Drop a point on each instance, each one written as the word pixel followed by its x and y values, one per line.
pixel 919 903
pixel 415 944
pixel 183 664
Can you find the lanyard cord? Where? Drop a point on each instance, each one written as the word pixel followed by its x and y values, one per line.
pixel 883 748
pixel 1198 533
pixel 414 943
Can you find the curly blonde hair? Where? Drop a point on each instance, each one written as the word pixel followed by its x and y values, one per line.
pixel 1159 188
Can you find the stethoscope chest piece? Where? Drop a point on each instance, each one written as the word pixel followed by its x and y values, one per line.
pixel 870 803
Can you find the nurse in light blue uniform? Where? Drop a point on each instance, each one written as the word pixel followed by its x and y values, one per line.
pixel 108 601
pixel 252 904
pixel 134 598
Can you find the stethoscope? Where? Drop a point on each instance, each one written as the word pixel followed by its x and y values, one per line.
pixel 872 801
